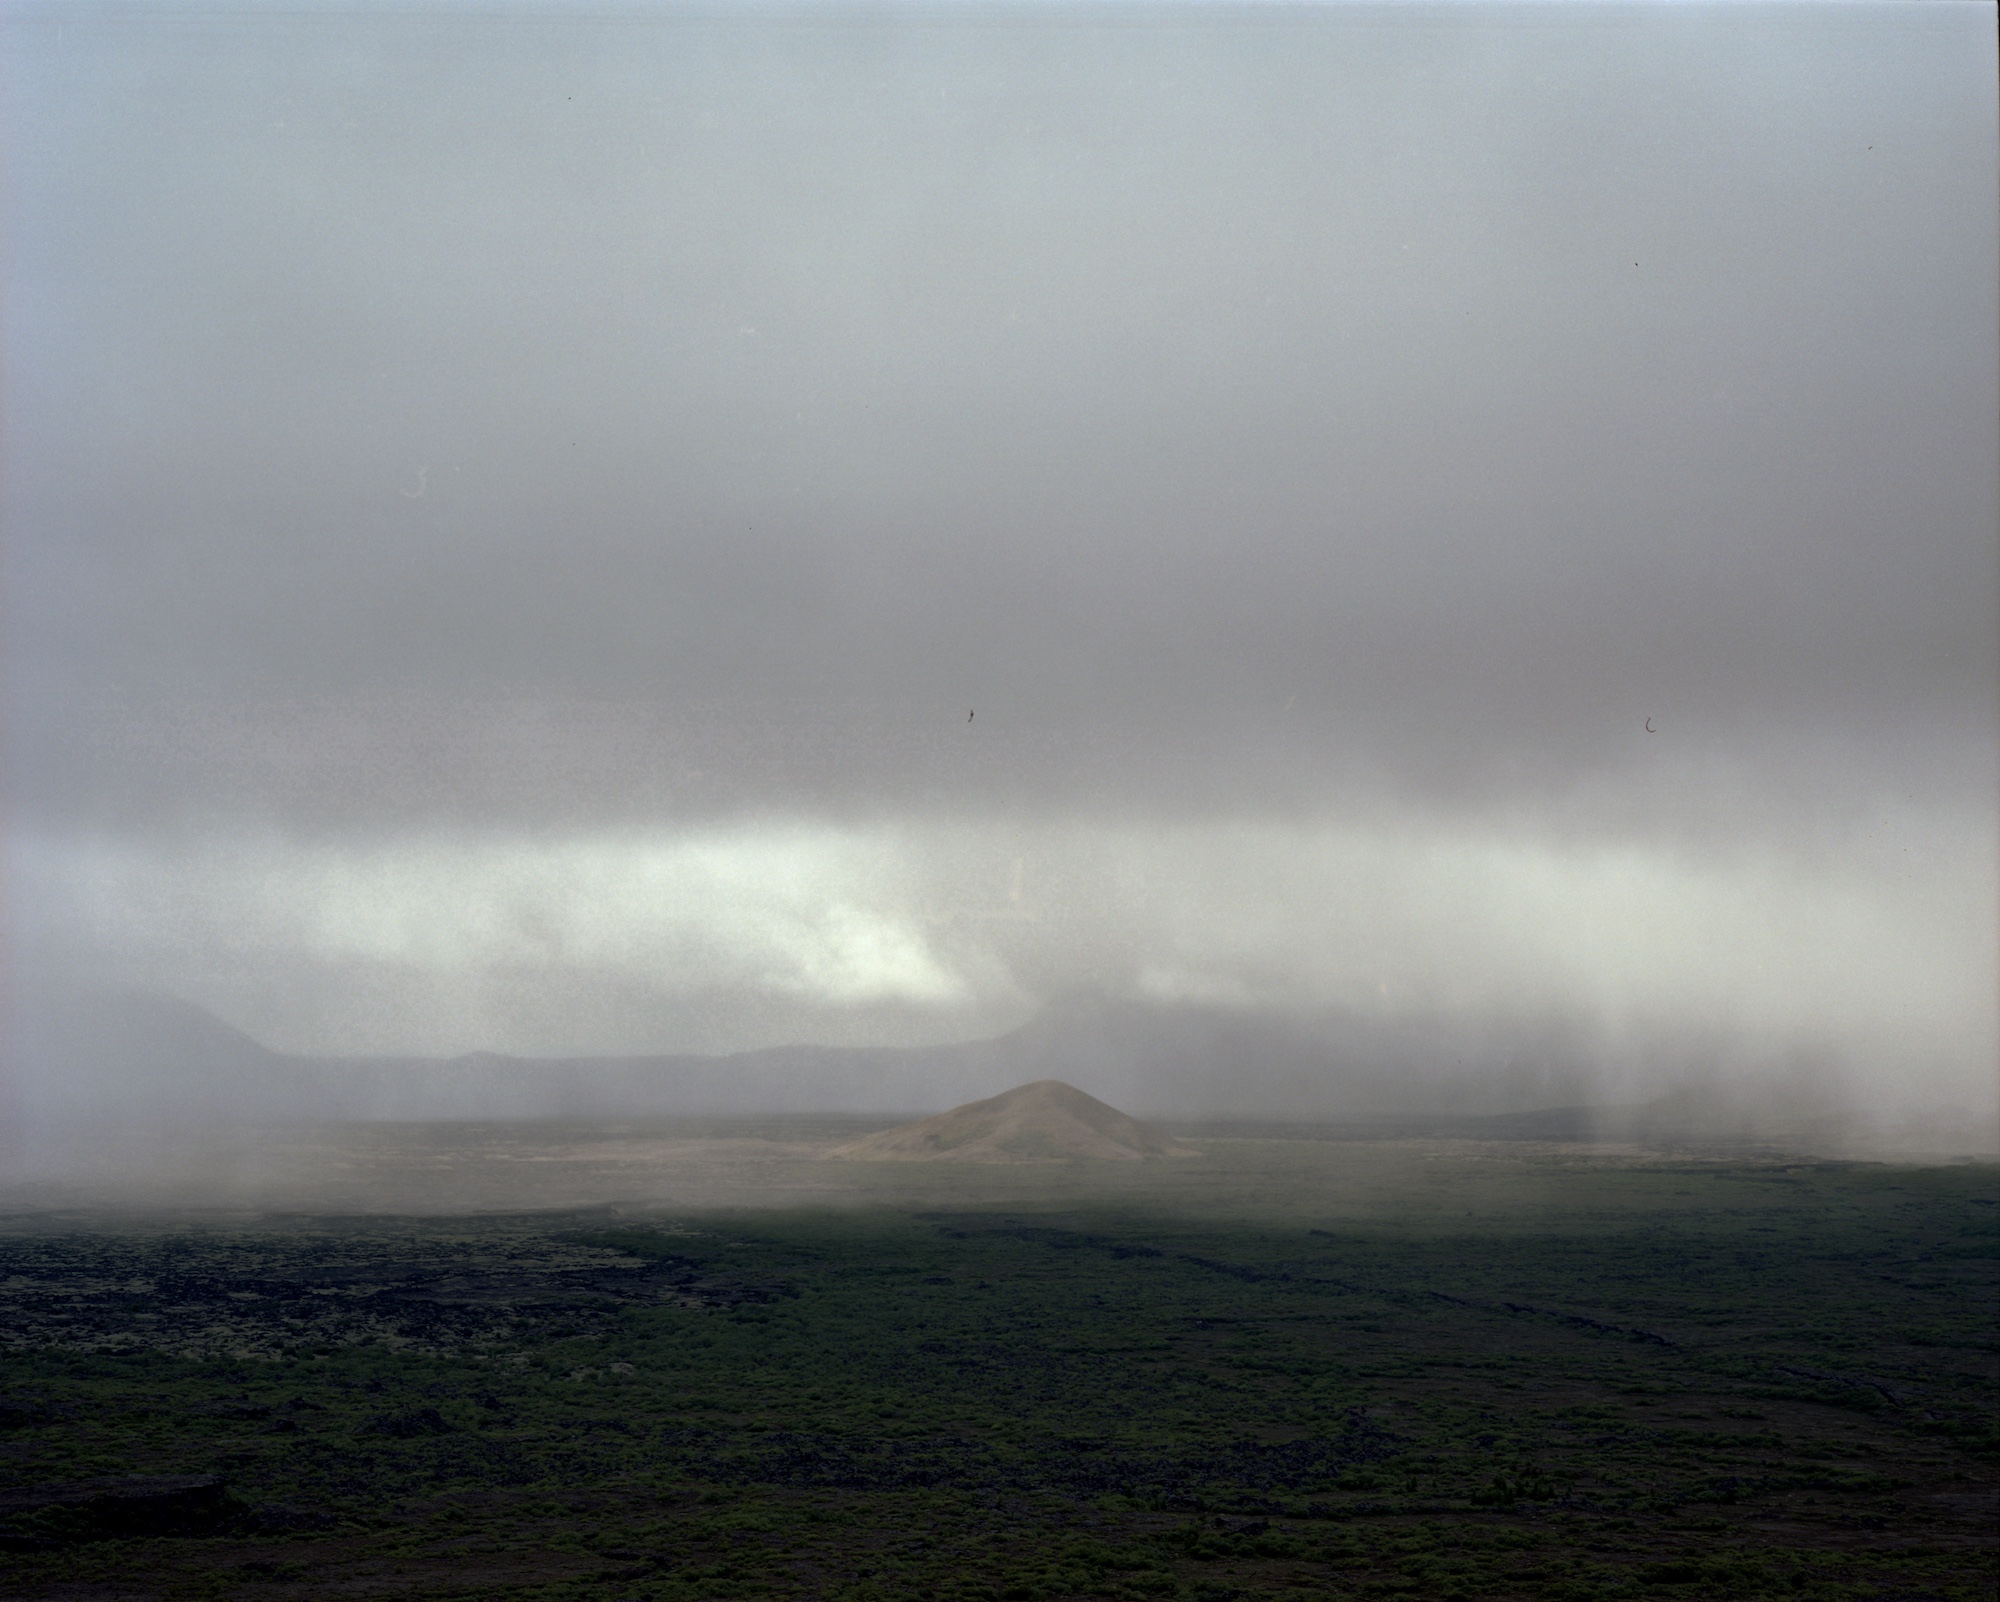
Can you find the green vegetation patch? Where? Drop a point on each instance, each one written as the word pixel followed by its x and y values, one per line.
pixel 1781 1382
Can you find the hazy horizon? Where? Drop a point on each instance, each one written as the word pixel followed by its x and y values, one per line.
pixel 673 531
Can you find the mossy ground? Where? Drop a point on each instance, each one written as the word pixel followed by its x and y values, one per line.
pixel 1599 1377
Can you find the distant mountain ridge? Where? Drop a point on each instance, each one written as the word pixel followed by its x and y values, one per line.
pixel 102 1059
pixel 132 1054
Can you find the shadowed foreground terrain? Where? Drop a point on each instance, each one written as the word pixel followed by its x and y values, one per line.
pixel 1399 1368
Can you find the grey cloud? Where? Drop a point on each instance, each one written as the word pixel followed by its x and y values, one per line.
pixel 1469 386
pixel 447 451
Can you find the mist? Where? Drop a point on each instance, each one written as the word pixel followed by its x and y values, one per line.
pixel 1311 563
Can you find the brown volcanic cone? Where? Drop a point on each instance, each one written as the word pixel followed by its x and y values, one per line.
pixel 1047 1121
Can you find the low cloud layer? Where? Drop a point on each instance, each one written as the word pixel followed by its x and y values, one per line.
pixel 1877 954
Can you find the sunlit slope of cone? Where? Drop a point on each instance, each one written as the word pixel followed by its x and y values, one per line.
pixel 1046 1121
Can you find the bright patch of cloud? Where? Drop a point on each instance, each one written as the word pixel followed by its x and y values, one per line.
pixel 1880 949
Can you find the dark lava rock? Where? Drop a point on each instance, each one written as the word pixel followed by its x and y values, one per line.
pixel 409 1424
pixel 84 1510
pixel 280 1517
pixel 18 1413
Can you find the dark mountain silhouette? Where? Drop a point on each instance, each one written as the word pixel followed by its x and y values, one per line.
pixel 113 1056
pixel 1046 1121
pixel 94 1059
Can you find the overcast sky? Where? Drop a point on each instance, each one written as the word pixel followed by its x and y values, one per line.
pixel 678 528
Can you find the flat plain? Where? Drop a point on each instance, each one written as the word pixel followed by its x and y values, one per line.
pixel 675 1364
